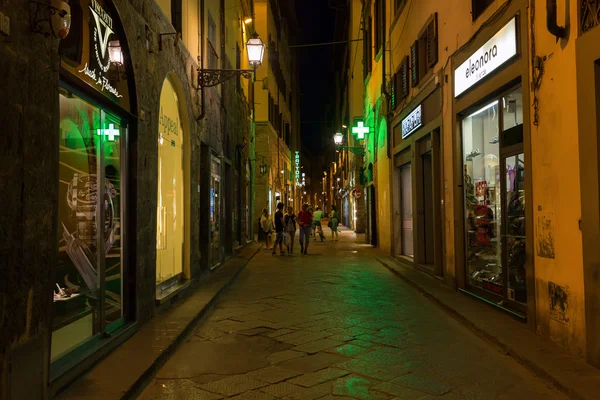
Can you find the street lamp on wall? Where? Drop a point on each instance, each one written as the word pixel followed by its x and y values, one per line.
pixel 338 138
pixel 263 169
pixel 256 50
pixel 214 77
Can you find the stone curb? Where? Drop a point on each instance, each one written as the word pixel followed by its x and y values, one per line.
pixel 571 389
pixel 142 382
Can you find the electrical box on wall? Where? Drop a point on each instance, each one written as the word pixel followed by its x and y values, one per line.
pixel 4 24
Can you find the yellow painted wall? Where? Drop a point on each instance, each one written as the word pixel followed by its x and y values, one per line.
pixel 556 189
pixel 383 187
pixel 165 6
pixel 262 73
pixel 191 27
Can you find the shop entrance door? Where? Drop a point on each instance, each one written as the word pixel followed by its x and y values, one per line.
pixel 215 213
pixel 428 251
pixel 373 214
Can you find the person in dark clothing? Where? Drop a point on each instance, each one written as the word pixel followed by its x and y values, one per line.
pixel 279 229
pixel 290 228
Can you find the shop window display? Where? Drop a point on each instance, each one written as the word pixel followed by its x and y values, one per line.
pixel 88 287
pixel 494 174
pixel 481 151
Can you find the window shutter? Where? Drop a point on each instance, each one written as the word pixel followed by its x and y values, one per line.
pixel 404 78
pixel 414 63
pixel 393 91
pixel 432 42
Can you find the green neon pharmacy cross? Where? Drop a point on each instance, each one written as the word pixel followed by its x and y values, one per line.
pixel 111 132
pixel 360 130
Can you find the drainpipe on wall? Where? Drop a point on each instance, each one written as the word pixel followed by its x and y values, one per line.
pixel 383 87
pixel 551 24
pixel 201 61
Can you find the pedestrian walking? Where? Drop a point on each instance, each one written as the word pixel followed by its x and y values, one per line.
pixel 334 223
pixel 279 230
pixel 290 228
pixel 266 224
pixel 305 222
pixel 316 224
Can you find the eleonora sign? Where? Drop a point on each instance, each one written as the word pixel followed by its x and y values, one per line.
pixel 497 51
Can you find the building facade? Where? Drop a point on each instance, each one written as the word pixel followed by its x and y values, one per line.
pixel 120 103
pixel 482 147
pixel 277 111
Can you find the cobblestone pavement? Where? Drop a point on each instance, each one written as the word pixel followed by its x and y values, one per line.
pixel 335 324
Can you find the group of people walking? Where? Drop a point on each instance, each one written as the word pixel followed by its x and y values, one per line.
pixel 287 223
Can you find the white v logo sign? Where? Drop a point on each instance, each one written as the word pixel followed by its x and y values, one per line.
pixel 102 38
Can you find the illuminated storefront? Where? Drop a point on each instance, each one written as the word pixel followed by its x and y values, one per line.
pixel 91 296
pixel 494 169
pixel 170 213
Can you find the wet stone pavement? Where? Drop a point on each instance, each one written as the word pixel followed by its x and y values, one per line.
pixel 335 324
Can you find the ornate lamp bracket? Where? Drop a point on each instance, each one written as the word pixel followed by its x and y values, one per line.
pixel 214 77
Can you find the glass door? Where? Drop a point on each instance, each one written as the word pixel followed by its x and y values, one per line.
pixel 215 213
pixel 514 235
pixel 88 289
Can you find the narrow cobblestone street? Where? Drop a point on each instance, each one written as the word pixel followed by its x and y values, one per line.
pixel 335 324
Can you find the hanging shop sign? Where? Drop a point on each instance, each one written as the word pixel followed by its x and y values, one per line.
pixel 412 122
pixel 497 51
pixel 297 162
pixel 93 51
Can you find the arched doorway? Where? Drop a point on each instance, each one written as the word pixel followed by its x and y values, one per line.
pixel 171 207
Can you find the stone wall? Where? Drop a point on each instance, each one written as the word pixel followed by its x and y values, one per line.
pixel 29 102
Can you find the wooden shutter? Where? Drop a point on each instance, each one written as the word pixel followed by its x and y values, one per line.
pixel 414 63
pixel 432 42
pixel 404 78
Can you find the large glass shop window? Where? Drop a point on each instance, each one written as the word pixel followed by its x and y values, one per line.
pixel 170 202
pixel 494 170
pixel 481 152
pixel 88 287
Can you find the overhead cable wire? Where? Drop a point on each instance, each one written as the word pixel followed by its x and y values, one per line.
pixel 324 43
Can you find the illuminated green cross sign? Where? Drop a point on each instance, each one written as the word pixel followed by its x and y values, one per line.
pixel 111 132
pixel 360 130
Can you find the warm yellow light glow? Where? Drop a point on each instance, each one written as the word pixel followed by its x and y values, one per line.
pixel 247 20
pixel 170 212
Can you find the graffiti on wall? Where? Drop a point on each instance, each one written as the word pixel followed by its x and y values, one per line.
pixel 545 236
pixel 559 302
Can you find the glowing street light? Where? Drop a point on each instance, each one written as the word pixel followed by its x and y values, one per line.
pixel 338 138
pixel 256 50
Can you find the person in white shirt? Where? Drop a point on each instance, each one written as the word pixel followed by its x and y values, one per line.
pixel 316 222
